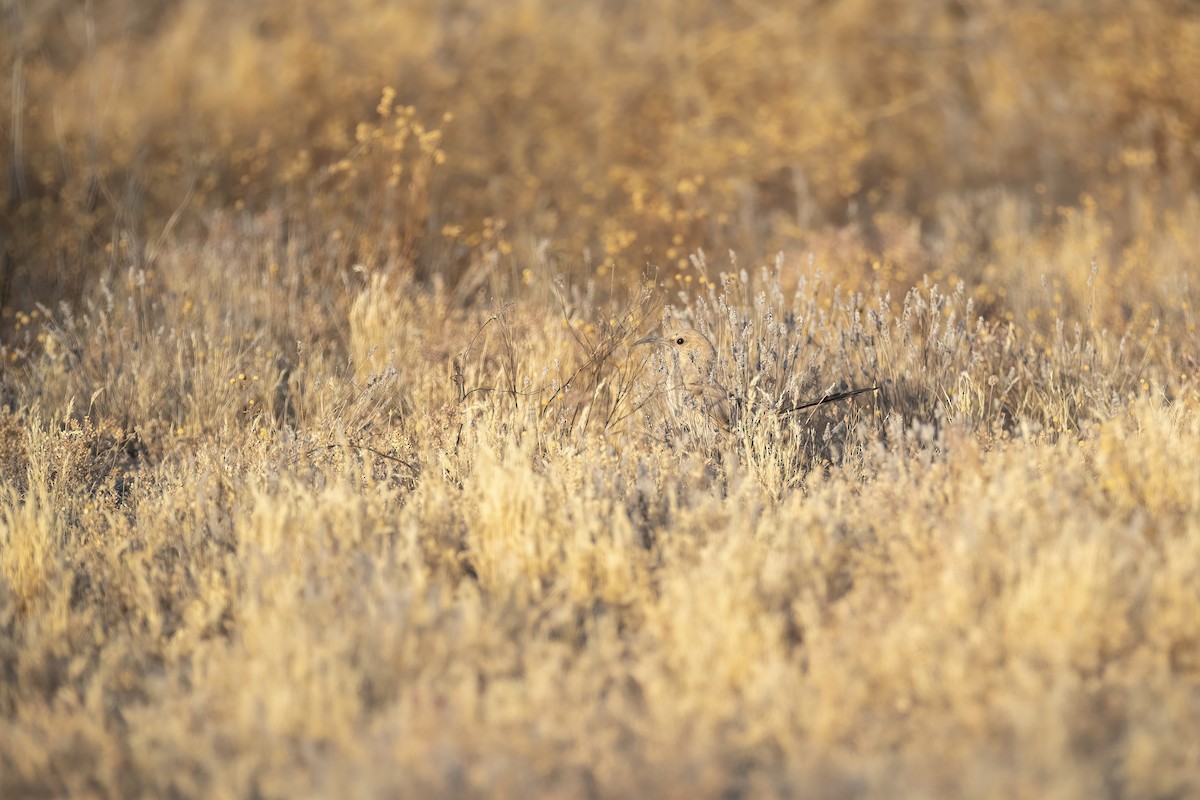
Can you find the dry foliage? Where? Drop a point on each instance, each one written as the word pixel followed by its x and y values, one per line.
pixel 327 467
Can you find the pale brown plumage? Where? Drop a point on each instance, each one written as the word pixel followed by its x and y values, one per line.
pixel 692 362
pixel 693 365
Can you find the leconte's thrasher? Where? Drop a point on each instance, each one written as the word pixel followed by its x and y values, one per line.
pixel 693 360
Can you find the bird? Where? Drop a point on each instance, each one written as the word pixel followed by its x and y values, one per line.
pixel 693 366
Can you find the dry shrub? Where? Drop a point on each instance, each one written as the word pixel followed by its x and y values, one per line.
pixel 346 480
pixel 415 541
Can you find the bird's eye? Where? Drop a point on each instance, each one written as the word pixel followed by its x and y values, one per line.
pixel 679 340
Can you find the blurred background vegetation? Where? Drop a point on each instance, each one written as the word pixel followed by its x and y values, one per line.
pixel 451 139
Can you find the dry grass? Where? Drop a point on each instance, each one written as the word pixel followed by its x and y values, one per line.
pixel 347 482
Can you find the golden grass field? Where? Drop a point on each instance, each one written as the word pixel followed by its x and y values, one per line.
pixel 328 467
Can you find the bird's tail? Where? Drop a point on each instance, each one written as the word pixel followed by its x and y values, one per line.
pixel 829 398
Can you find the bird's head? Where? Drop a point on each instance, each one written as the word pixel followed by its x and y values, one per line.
pixel 690 347
pixel 685 341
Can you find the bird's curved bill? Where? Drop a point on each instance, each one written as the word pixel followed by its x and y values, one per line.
pixel 653 339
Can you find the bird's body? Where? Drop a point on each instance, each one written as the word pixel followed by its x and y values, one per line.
pixel 692 361
pixel 692 381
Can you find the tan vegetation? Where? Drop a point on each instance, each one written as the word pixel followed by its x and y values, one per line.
pixel 328 466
